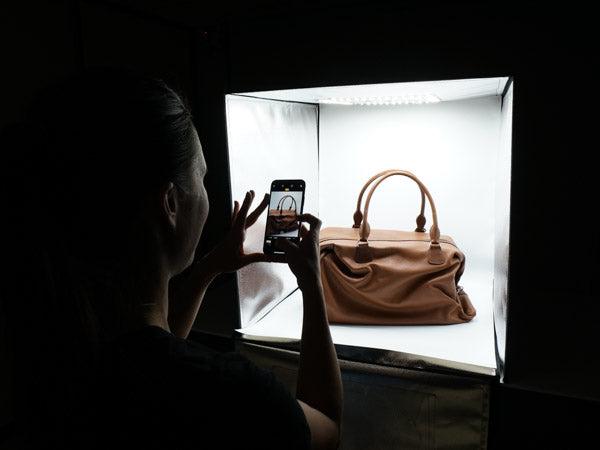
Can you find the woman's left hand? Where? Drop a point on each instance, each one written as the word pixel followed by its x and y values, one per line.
pixel 229 255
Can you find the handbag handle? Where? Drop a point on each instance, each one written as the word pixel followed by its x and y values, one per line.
pixel 434 254
pixel 358 215
pixel 283 199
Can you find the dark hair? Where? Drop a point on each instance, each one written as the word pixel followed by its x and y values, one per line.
pixel 107 134
pixel 91 154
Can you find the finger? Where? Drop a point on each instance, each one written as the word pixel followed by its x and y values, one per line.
pixel 254 215
pixel 303 231
pixel 313 221
pixel 236 210
pixel 243 211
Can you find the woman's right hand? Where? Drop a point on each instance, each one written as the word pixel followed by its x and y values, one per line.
pixel 303 258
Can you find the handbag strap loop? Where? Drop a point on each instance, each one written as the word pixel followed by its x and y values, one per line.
pixel 435 254
pixel 358 215
pixel 282 201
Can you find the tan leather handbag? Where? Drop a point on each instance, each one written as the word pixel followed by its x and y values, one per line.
pixel 282 220
pixel 388 277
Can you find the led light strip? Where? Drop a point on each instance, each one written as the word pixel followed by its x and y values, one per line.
pixel 413 99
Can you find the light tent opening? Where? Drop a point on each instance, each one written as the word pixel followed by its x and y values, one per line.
pixel 454 135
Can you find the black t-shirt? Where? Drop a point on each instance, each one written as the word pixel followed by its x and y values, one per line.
pixel 152 389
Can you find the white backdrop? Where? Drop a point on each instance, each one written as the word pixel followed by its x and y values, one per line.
pixel 455 148
pixel 269 140
pixel 451 147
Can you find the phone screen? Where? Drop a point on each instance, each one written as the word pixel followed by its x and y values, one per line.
pixel 286 202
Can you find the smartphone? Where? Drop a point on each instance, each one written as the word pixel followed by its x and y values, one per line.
pixel 286 203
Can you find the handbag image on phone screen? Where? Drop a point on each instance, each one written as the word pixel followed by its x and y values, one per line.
pixel 284 218
pixel 390 277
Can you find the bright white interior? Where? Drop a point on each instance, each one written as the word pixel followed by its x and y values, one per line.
pixel 451 147
pixel 457 147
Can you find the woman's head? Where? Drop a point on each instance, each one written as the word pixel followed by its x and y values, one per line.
pixel 107 142
pixel 107 169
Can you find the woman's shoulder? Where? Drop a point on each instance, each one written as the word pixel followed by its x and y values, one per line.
pixel 177 382
pixel 176 366
pixel 152 346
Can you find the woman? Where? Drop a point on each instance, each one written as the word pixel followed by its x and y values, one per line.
pixel 105 188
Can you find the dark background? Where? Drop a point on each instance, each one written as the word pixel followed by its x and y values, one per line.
pixel 550 395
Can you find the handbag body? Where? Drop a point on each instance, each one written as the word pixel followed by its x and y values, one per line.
pixel 391 277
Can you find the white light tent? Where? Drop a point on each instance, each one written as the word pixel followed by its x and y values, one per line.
pixel 454 135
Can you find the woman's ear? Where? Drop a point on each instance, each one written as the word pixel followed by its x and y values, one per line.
pixel 169 201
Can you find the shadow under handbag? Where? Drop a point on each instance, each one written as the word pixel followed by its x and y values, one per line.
pixel 281 220
pixel 388 277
